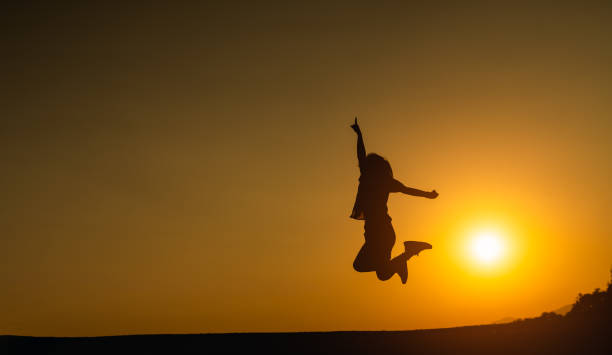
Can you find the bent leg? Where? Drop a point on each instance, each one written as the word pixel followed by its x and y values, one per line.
pixel 375 254
pixel 388 269
pixel 364 262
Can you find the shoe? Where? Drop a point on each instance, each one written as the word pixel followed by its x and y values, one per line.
pixel 414 248
pixel 402 270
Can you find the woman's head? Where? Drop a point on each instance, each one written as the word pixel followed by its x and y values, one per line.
pixel 376 165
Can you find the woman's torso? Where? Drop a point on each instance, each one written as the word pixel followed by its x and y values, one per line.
pixel 371 201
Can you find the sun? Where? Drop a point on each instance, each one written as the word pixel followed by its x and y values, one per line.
pixel 487 247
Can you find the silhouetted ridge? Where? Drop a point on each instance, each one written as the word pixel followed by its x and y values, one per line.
pixel 596 305
pixel 588 310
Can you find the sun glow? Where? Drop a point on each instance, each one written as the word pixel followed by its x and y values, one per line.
pixel 487 247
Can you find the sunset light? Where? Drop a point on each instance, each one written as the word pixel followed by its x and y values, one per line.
pixel 487 247
pixel 341 176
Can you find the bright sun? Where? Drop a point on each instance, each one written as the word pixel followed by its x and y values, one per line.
pixel 487 247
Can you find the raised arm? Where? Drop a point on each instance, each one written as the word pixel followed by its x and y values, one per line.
pixel 397 186
pixel 361 152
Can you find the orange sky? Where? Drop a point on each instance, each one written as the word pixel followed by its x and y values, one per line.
pixel 174 169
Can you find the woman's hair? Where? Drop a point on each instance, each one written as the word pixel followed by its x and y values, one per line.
pixel 375 165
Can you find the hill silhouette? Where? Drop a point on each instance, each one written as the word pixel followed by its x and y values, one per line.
pixel 585 329
pixel 561 311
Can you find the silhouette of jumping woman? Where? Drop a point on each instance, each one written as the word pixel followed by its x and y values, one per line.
pixel 375 184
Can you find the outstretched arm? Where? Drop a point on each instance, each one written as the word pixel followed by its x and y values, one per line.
pixel 361 152
pixel 397 186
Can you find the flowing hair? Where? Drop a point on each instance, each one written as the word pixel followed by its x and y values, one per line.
pixel 377 166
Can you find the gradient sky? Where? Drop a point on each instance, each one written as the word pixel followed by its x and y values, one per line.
pixel 174 168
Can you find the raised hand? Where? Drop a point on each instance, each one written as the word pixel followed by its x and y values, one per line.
pixel 355 126
pixel 433 194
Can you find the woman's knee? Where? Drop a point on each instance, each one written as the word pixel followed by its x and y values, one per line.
pixel 358 266
pixel 361 265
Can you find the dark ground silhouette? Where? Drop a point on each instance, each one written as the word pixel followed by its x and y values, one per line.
pixel 586 329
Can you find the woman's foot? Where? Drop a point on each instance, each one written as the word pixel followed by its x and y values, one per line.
pixel 414 247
